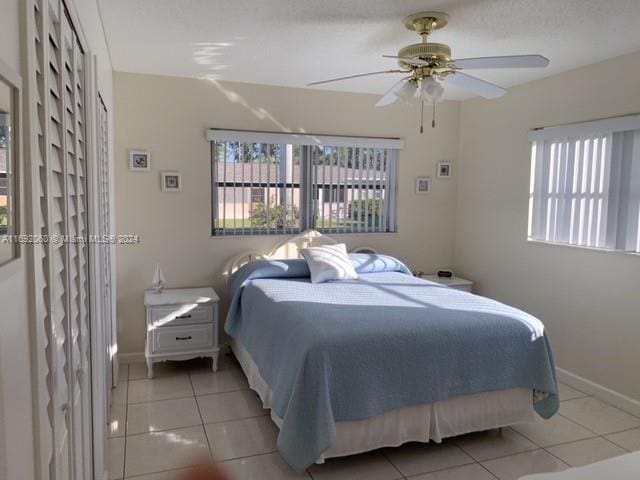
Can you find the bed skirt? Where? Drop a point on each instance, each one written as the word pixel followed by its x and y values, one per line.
pixel 420 423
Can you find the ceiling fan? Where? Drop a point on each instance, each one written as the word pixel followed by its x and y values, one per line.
pixel 428 65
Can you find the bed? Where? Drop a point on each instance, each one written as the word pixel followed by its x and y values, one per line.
pixel 351 366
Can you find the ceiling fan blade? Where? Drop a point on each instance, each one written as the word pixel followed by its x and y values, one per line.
pixel 390 95
pixel 355 76
pixel 474 85
pixel 412 61
pixel 509 61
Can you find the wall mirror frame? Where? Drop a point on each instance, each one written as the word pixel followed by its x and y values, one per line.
pixel 10 135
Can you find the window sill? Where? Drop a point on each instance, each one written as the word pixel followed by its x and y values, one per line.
pixel 582 247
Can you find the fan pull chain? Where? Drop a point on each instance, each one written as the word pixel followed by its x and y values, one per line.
pixel 433 118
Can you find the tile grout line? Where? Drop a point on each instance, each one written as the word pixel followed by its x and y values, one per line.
pixel 222 462
pixel 226 391
pixel 578 423
pixel 137 434
pixel 393 465
pixel 501 457
pixel 557 457
pixel 592 438
pixel 617 444
pixel 597 434
pixel 489 471
pixel 242 457
pixel 440 469
pixel 621 431
pixel 606 403
pixel 546 448
pixel 161 400
pixel 189 396
pixel 156 473
pixel 528 450
pixel 195 397
pixel 237 419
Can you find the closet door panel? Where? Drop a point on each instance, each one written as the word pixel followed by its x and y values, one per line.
pixel 38 86
pixel 59 215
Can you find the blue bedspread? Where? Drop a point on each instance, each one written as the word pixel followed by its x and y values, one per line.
pixel 352 350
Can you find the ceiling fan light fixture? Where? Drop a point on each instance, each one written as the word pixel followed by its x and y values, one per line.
pixel 406 92
pixel 430 90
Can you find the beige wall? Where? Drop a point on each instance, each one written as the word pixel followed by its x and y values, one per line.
pixel 168 116
pixel 589 300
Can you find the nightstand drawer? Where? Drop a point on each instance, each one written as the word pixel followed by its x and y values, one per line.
pixel 188 337
pixel 181 315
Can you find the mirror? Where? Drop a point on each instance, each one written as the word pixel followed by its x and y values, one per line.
pixel 7 168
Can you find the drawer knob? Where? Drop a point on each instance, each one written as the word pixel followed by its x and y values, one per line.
pixel 184 338
pixel 184 316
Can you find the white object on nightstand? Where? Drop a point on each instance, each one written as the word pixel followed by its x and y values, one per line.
pixel 453 282
pixel 182 323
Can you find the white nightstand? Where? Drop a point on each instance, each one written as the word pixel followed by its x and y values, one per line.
pixel 182 323
pixel 453 282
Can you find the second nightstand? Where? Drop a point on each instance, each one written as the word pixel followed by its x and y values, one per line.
pixel 453 282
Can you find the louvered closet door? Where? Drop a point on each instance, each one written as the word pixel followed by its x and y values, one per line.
pixel 60 215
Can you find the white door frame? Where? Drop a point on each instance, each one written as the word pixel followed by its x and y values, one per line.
pixel 99 337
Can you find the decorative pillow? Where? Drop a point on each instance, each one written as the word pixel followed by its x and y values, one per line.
pixel 329 262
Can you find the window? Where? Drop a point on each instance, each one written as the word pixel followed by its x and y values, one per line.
pixel 5 153
pixel 8 198
pixel 266 183
pixel 585 184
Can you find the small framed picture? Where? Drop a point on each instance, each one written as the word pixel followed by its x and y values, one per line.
pixel 139 161
pixel 171 181
pixel 423 185
pixel 444 169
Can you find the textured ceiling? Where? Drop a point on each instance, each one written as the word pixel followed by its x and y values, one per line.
pixel 294 42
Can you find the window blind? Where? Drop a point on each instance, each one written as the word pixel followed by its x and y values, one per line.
pixel 256 188
pixel 260 187
pixel 353 189
pixel 585 184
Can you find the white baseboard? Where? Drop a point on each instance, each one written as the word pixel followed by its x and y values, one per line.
pixel 136 357
pixel 605 394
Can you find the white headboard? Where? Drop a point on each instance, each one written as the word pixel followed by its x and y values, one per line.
pixel 286 249
pixel 291 248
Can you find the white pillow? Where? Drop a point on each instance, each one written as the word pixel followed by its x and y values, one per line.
pixel 329 262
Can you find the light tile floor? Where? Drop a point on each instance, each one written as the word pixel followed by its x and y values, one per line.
pixel 188 413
